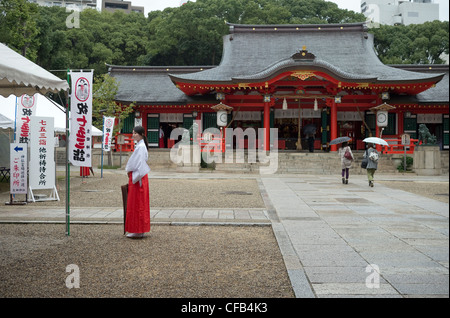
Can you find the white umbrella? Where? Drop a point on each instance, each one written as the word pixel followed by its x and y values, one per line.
pixel 376 140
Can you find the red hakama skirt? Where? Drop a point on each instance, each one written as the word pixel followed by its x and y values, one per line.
pixel 84 172
pixel 138 207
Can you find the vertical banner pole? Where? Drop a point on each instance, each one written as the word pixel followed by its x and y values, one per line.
pixel 15 120
pixel 67 158
pixel 103 141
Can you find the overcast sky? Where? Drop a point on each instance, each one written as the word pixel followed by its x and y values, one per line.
pixel 354 5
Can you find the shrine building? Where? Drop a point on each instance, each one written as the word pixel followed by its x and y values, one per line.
pixel 291 77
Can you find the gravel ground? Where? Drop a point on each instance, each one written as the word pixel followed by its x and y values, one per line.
pixel 170 262
pixel 434 190
pixel 164 192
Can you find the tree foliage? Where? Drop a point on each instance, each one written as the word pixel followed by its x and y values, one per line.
pixel 18 27
pixel 103 104
pixel 412 44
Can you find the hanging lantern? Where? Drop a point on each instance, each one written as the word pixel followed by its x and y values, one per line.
pixel 382 118
pixel 222 117
pixel 316 106
pixel 222 113
pixel 381 112
pixel 285 106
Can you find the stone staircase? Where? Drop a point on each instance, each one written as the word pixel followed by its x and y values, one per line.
pixel 159 160
pixel 319 162
pixel 327 163
pixel 303 162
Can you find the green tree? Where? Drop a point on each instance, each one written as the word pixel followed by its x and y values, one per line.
pixel 18 26
pixel 412 44
pixel 103 102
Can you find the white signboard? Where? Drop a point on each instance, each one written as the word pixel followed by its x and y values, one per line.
pixel 429 118
pixel 406 139
pixel 80 140
pixel 42 153
pixel 108 126
pixel 25 108
pixel 18 168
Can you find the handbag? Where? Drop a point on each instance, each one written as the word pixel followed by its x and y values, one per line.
pixel 365 161
pixel 348 155
pixel 124 199
pixel 373 156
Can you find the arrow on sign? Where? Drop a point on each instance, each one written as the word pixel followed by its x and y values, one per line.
pixel 17 149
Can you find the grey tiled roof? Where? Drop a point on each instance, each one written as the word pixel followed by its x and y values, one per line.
pixel 151 84
pixel 343 49
pixel 437 94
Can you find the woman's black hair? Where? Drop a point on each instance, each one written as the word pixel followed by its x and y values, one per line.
pixel 141 131
pixel 344 144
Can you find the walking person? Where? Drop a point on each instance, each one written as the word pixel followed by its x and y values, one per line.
pixel 137 220
pixel 346 155
pixel 372 154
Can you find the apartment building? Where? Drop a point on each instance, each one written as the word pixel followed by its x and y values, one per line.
pixel 395 12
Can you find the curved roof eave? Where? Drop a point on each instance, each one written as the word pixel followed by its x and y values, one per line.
pixel 316 65
pixel 292 65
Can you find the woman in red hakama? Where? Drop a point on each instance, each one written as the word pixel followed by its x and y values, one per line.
pixel 137 221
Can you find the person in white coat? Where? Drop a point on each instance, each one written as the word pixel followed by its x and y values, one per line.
pixel 137 220
pixel 346 155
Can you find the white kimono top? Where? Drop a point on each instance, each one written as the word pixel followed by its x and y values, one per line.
pixel 137 164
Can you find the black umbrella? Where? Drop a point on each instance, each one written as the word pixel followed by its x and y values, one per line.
pixel 309 129
pixel 340 140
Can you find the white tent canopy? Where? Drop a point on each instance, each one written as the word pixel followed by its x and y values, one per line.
pixel 6 122
pixel 19 76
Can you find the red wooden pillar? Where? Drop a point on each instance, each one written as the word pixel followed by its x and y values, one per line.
pixel 267 125
pixel 333 124
pixel 401 128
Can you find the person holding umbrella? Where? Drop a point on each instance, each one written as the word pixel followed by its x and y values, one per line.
pixel 310 131
pixel 346 155
pixel 372 165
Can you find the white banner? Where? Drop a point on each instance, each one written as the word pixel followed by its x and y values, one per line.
pixel 80 140
pixel 25 108
pixel 42 153
pixel 18 168
pixel 108 127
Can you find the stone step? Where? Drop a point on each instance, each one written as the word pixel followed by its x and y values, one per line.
pixel 318 162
